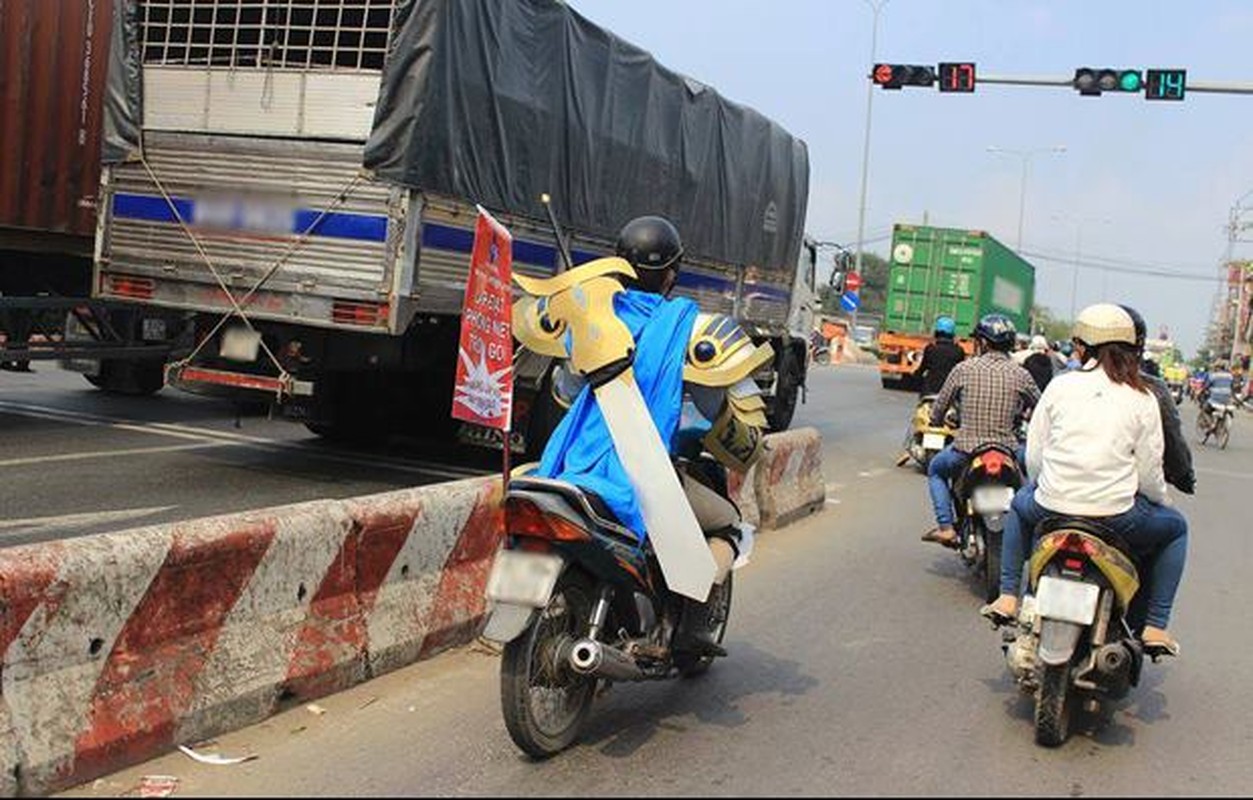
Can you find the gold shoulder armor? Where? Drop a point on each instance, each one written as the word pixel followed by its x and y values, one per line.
pixel 536 330
pixel 721 354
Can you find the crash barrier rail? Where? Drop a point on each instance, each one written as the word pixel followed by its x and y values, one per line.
pixel 119 646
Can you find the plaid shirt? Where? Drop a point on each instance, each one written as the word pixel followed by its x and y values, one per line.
pixel 993 392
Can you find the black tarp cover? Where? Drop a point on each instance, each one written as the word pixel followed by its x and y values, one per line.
pixel 123 88
pixel 498 101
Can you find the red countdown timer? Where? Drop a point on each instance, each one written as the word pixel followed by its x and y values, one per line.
pixel 957 77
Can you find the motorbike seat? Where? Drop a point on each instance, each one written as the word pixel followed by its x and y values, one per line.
pixel 588 506
pixel 1086 525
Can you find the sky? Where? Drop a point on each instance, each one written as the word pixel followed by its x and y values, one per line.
pixel 1148 183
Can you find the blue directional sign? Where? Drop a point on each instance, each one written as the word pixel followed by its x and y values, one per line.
pixel 849 301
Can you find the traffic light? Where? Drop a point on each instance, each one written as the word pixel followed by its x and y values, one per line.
pixel 957 77
pixel 1093 82
pixel 894 76
pixel 1165 84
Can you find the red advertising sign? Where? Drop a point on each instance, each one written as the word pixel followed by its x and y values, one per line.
pixel 484 389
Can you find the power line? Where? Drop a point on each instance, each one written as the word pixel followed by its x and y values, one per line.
pixel 1125 267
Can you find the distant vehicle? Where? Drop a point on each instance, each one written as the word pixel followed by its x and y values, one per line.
pixel 960 273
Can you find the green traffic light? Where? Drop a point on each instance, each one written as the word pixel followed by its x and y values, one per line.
pixel 1130 81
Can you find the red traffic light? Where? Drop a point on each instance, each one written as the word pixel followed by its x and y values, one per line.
pixel 883 74
pixel 894 76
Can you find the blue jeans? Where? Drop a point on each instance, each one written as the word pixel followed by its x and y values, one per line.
pixel 945 466
pixel 1157 536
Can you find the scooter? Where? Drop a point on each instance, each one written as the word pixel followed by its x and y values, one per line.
pixel 982 495
pixel 925 440
pixel 579 601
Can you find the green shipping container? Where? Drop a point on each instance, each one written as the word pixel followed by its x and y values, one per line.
pixel 964 274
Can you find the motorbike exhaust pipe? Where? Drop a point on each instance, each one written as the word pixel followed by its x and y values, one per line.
pixel 1113 660
pixel 590 657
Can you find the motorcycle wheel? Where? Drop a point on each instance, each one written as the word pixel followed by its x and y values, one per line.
pixel 1222 433
pixel 1203 423
pixel 1052 706
pixel 689 666
pixel 544 702
pixel 991 565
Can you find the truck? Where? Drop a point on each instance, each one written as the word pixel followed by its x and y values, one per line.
pixel 946 271
pixel 53 63
pixel 292 189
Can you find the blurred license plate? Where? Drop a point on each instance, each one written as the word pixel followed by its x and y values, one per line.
pixel 933 441
pixel 991 499
pixel 523 578
pixel 240 344
pixel 1069 601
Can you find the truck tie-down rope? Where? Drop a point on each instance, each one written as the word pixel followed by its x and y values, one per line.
pixel 284 384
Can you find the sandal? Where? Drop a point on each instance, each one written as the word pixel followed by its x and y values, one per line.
pixel 933 536
pixel 996 616
pixel 1156 648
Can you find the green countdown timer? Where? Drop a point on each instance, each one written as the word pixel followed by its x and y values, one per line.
pixel 1165 84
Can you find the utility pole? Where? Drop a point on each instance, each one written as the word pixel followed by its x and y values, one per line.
pixel 1025 155
pixel 875 6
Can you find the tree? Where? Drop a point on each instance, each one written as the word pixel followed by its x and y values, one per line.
pixel 1049 326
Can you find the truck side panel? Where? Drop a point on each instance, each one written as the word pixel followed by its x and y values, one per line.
pixel 1008 283
pixel 934 271
pixel 53 59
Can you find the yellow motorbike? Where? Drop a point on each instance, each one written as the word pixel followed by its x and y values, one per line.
pixel 925 440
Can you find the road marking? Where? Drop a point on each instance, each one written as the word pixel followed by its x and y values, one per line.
pixel 79 520
pixel 198 434
pixel 831 501
pixel 1225 473
pixel 134 451
pixel 872 473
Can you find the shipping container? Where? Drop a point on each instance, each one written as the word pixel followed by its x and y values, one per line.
pixel 53 60
pixel 960 273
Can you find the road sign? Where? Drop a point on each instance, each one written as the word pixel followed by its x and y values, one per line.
pixel 852 281
pixel 849 301
pixel 483 393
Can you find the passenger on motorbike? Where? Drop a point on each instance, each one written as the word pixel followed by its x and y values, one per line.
pixel 1095 449
pixel 994 392
pixel 725 413
pixel 939 357
pixel 1177 462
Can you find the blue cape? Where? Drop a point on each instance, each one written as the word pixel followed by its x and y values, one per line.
pixel 580 450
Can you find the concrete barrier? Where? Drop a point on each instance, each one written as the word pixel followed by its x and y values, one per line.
pixel 114 648
pixel 119 646
pixel 788 482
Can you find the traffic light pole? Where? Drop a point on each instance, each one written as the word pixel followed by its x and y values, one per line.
pixel 1067 82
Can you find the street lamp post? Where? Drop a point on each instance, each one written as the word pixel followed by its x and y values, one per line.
pixel 1074 280
pixel 876 6
pixel 1025 155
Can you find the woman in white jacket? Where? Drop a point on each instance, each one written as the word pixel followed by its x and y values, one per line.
pixel 1094 449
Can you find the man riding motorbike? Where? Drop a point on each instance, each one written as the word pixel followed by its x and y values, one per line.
pixel 1040 364
pixel 1218 386
pixel 1094 449
pixel 679 352
pixel 939 357
pixel 994 393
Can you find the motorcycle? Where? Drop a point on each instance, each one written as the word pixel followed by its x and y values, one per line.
pixel 1176 392
pixel 578 603
pixel 926 440
pixel 1072 647
pixel 981 499
pixel 1215 420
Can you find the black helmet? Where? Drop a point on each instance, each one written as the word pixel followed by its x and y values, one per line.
pixel 1142 330
pixel 650 243
pixel 997 330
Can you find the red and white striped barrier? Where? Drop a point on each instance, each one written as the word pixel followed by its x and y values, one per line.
pixel 119 646
pixel 788 482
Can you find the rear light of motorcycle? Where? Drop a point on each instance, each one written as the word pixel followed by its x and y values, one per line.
pixel 993 462
pixel 525 519
pixel 1077 544
pixel 1073 563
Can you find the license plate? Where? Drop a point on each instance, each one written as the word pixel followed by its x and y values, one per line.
pixel 153 330
pixel 521 578
pixel 1069 601
pixel 991 499
pixel 933 441
pixel 240 344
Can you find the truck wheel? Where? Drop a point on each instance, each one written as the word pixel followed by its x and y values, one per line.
pixel 133 378
pixel 783 406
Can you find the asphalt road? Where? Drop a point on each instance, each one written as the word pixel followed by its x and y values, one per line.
pixel 74 460
pixel 858 665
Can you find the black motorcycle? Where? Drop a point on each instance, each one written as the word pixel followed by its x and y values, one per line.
pixel 1072 647
pixel 577 602
pixel 982 495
